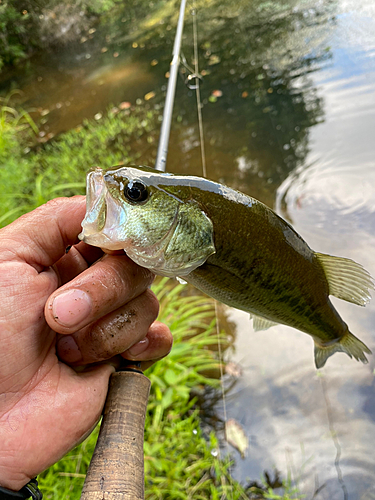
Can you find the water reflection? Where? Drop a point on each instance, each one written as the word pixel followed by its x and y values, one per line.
pixel 257 131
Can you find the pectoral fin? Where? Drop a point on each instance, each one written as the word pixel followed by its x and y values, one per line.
pixel 347 280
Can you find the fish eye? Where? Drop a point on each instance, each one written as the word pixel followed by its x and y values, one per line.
pixel 136 192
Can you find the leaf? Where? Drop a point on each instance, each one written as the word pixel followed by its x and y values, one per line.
pixel 233 369
pixel 170 377
pixel 183 391
pixel 167 398
pixel 235 435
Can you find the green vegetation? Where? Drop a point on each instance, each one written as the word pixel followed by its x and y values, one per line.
pixel 16 133
pixel 26 25
pixel 12 27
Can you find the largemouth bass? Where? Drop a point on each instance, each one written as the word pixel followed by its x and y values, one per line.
pixel 229 245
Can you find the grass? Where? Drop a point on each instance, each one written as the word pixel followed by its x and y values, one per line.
pixel 181 461
pixel 17 131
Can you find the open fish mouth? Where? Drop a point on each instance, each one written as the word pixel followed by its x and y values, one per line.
pixel 104 219
pixel 103 215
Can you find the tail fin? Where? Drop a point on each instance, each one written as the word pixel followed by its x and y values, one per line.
pixel 349 344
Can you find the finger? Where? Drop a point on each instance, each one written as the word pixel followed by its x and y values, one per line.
pixel 157 344
pixel 69 266
pixel 105 286
pixel 76 259
pixel 41 236
pixel 89 253
pixel 111 335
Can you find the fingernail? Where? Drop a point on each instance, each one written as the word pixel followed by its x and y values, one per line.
pixel 71 308
pixel 68 349
pixel 139 347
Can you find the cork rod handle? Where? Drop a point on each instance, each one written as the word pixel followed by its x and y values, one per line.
pixel 116 471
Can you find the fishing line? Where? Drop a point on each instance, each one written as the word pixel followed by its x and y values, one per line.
pixel 197 77
pixel 335 439
pixel 197 91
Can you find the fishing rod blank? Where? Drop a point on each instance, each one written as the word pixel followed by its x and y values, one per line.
pixel 161 158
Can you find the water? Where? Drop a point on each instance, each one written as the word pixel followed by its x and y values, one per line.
pixel 321 426
pixel 293 127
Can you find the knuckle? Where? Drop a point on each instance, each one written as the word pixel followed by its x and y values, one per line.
pixel 102 344
pixel 153 305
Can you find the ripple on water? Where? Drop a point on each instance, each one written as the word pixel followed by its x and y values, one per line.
pixel 330 199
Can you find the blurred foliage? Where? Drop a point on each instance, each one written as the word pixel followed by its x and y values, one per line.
pixel 28 25
pixel 17 133
pixel 12 29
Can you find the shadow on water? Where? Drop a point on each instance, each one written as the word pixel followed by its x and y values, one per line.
pixel 289 111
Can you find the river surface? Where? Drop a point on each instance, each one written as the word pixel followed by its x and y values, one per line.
pixel 289 118
pixel 321 426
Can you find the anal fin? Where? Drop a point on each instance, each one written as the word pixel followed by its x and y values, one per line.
pixel 260 323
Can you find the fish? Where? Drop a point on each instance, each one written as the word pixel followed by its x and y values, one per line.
pixel 231 247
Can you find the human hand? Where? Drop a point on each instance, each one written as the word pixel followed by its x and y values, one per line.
pixel 63 318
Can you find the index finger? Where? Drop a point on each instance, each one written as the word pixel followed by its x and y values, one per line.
pixel 41 236
pixel 103 287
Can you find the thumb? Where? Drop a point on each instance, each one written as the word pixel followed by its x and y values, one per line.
pixel 41 236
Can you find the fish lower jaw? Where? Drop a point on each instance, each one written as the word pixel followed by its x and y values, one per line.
pixel 101 240
pixel 154 263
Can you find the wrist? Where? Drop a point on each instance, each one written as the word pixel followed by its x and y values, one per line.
pixel 13 482
pixel 30 490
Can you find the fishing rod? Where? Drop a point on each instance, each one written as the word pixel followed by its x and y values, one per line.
pixel 116 470
pixel 161 157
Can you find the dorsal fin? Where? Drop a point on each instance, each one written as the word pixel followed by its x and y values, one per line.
pixel 347 280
